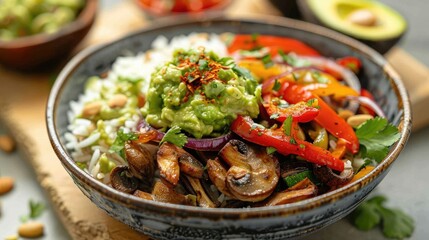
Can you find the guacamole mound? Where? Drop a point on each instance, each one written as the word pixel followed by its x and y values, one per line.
pixel 200 93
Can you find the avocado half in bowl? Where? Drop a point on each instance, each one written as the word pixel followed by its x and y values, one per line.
pixel 371 22
pixel 162 220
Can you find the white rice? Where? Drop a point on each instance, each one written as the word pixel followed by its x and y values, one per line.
pixel 86 138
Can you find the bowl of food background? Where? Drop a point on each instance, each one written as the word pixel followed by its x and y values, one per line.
pixel 35 51
pixel 165 220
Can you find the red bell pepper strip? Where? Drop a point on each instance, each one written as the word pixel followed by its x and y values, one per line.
pixel 274 43
pixel 327 117
pixel 352 63
pixel 300 111
pixel 245 128
pixel 366 93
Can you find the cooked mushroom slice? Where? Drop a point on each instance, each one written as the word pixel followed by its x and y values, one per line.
pixel 217 174
pixel 143 195
pixel 253 174
pixel 168 164
pixel 191 166
pixel 332 179
pixel 141 160
pixel 172 159
pixel 122 180
pixel 202 199
pixel 163 193
pixel 300 191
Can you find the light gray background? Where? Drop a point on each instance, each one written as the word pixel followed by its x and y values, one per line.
pixel 405 185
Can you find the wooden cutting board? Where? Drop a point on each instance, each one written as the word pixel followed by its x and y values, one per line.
pixel 22 107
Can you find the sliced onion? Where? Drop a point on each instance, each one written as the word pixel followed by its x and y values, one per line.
pixel 368 103
pixel 203 144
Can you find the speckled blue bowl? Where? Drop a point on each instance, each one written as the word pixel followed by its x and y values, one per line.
pixel 169 221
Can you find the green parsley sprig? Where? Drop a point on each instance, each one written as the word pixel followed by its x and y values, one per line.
pixel 36 210
pixel 174 136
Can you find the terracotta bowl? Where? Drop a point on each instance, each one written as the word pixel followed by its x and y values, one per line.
pixel 169 221
pixel 33 52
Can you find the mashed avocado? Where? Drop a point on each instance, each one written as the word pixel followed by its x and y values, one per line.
pixel 200 93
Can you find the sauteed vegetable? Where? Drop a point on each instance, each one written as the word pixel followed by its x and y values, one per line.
pixel 263 121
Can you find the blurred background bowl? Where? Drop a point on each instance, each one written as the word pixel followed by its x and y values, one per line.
pixel 169 221
pixel 40 50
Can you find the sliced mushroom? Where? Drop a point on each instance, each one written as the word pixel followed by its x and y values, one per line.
pixel 172 159
pixel 141 160
pixel 122 180
pixel 332 179
pixel 303 190
pixel 217 174
pixel 163 193
pixel 191 166
pixel 202 199
pixel 253 174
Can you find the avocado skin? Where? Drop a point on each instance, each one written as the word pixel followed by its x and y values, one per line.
pixel 381 46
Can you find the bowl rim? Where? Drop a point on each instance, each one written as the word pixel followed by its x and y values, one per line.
pixel 86 16
pixel 134 202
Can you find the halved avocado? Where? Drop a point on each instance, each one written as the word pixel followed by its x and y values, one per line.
pixel 369 21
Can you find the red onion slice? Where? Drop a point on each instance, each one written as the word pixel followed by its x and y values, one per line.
pixel 203 144
pixel 368 103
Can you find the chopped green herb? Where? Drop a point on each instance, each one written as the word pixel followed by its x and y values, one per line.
pixel 295 77
pixel 277 85
pixel 319 77
pixel 268 62
pixel 394 222
pixel 293 179
pixel 174 136
pixel 36 210
pixel 302 146
pixel 287 125
pixel 255 37
pixel 274 116
pixel 271 150
pixel 376 136
pixel 292 141
pixel 243 72
pixel 310 102
pixel 227 61
pixel 121 138
pixel 293 60
pixel 203 64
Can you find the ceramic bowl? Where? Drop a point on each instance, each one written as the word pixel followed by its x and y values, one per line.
pixel 169 221
pixel 36 51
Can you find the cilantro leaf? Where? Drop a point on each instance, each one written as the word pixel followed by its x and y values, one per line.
pixel 243 72
pixel 36 210
pixel 293 60
pixel 268 62
pixel 376 136
pixel 394 222
pixel 174 136
pixel 121 138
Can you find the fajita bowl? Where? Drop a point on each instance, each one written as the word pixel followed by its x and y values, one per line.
pixel 170 221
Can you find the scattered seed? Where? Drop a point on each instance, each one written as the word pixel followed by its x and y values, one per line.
pixel 91 109
pixel 357 120
pixel 6 184
pixel 118 100
pixel 31 230
pixel 7 144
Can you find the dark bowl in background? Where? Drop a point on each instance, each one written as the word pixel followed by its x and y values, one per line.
pixel 36 51
pixel 169 221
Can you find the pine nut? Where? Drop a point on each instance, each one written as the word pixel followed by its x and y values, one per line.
pixel 31 230
pixel 7 144
pixel 357 120
pixel 6 184
pixel 91 109
pixel 119 100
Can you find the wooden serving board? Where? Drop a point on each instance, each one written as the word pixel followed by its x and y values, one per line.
pixel 22 106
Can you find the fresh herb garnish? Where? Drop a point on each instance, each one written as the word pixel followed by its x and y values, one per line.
pixel 293 179
pixel 394 222
pixel 255 37
pixel 121 138
pixel 36 210
pixel 243 72
pixel 174 136
pixel 268 62
pixel 271 150
pixel 319 77
pixel 203 64
pixel 277 85
pixel 227 61
pixel 293 60
pixel 292 141
pixel 311 102
pixel 375 137
pixel 287 125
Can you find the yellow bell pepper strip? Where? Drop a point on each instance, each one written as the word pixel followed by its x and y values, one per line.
pixel 247 129
pixel 327 117
pixel 259 70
